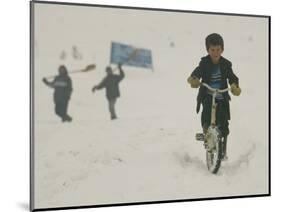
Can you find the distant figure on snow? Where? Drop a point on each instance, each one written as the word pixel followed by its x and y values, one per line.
pixel 63 89
pixel 63 55
pixel 75 53
pixel 111 84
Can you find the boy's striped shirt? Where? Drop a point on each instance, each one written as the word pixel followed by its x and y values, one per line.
pixel 215 80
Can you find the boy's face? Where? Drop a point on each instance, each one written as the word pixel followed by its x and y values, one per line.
pixel 215 53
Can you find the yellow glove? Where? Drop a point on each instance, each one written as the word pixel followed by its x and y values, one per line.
pixel 193 81
pixel 235 90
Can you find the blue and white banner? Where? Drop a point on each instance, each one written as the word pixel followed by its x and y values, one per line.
pixel 129 55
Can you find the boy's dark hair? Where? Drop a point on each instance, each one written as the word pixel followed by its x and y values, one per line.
pixel 214 39
pixel 62 70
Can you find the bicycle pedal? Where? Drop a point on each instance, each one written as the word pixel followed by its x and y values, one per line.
pixel 200 137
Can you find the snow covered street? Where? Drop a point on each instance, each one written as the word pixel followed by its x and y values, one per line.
pixel 149 153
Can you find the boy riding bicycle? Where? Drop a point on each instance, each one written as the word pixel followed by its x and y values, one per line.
pixel 215 70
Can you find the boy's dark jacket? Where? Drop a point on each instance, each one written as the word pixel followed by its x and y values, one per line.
pixel 111 83
pixel 203 71
pixel 63 87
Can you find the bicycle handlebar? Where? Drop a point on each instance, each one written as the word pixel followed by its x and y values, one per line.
pixel 215 89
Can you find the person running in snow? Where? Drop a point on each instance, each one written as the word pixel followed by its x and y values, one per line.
pixel 63 88
pixel 215 70
pixel 111 84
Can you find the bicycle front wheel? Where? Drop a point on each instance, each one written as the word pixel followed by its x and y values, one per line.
pixel 214 150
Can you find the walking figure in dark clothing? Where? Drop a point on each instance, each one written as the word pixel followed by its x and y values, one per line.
pixel 111 84
pixel 63 89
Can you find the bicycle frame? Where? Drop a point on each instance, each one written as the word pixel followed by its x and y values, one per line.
pixel 212 138
pixel 214 91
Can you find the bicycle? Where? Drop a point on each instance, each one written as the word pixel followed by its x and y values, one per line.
pixel 213 141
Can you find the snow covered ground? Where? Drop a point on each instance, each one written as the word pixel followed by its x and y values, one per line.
pixel 149 153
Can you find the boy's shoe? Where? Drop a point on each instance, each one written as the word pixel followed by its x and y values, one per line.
pixel 200 137
pixel 67 118
pixel 113 117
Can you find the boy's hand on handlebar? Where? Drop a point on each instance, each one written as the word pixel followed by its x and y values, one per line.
pixel 235 90
pixel 193 81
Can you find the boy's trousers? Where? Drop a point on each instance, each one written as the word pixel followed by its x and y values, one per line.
pixel 222 116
